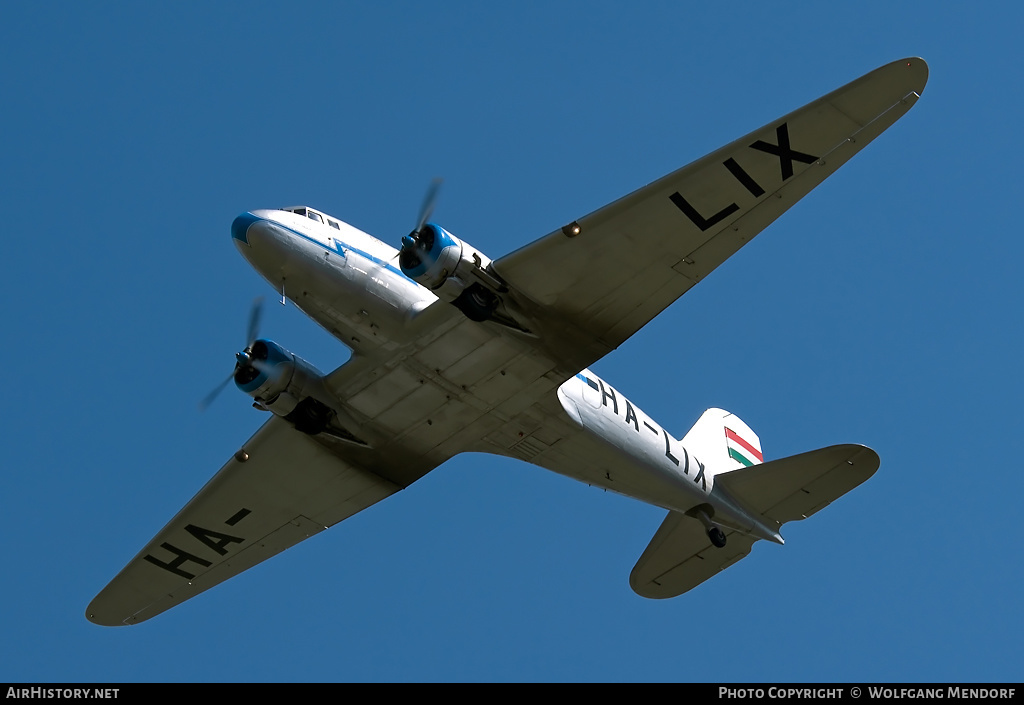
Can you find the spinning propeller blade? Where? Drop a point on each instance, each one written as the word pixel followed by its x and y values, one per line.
pixel 243 359
pixel 427 209
pixel 411 243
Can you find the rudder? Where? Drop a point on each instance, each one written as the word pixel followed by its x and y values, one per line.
pixel 723 441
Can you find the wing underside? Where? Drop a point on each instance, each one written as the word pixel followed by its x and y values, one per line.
pixel 287 488
pixel 629 260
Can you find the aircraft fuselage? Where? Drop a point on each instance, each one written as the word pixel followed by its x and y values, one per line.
pixel 351 284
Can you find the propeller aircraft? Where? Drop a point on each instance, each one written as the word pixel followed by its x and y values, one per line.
pixel 454 352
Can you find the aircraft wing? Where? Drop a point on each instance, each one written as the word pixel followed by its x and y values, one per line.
pixel 680 557
pixel 631 259
pixel 287 488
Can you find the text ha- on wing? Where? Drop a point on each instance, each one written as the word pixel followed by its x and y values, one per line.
pixel 280 489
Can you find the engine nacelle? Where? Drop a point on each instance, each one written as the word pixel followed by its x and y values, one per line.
pixel 273 373
pixel 454 270
pixel 287 385
pixel 433 256
pixel 430 256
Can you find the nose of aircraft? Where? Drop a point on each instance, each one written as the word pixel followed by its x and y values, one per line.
pixel 263 244
pixel 240 227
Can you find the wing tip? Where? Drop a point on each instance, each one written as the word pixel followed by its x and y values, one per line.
pixel 104 614
pixel 865 458
pixel 918 72
pixel 103 620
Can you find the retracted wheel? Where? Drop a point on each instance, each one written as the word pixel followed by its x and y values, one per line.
pixel 476 302
pixel 717 536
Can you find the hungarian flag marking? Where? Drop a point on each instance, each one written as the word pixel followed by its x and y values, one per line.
pixel 741 450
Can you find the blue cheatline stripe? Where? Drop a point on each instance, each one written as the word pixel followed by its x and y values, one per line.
pixel 240 226
pixel 591 383
pixel 339 246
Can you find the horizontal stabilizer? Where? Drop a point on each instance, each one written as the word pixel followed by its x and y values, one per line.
pixel 680 557
pixel 794 488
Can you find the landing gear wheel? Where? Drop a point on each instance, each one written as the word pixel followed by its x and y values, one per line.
pixel 717 536
pixel 476 302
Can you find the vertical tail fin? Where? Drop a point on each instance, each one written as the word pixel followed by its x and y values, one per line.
pixel 723 441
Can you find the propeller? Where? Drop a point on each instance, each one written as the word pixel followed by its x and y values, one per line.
pixel 247 362
pixel 421 239
pixel 427 209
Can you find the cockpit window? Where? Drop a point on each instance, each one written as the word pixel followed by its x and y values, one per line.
pixel 312 215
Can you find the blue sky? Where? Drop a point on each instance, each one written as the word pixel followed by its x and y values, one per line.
pixel 883 309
